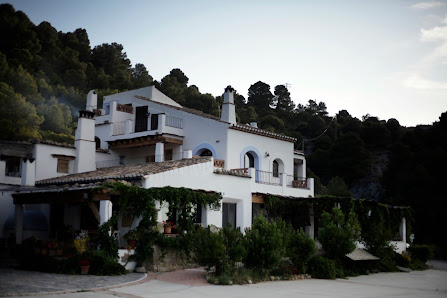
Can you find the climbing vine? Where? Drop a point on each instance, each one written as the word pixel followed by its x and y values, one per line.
pixel 373 216
pixel 137 202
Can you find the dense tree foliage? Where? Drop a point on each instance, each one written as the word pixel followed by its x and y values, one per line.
pixel 45 75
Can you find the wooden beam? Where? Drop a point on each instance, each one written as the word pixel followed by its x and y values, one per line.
pixel 173 141
pixel 95 211
pixel 100 197
pixel 257 199
pixel 143 141
pixel 49 197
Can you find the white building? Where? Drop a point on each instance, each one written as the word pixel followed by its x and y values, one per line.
pixel 144 137
pixel 145 132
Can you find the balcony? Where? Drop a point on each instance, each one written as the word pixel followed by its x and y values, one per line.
pixel 138 160
pixel 271 178
pixel 159 124
pixel 279 183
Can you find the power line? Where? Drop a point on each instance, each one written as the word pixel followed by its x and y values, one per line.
pixel 310 140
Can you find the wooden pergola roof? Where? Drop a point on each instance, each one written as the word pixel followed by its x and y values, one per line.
pixel 144 141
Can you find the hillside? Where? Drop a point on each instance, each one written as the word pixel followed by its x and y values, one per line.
pixel 45 75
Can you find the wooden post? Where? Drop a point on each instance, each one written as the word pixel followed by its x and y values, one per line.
pixel 19 223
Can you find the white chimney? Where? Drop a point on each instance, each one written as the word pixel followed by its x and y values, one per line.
pixel 254 124
pixel 228 107
pixel 92 101
pixel 85 137
pixel 28 172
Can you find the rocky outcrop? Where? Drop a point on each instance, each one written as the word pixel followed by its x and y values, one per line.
pixel 370 187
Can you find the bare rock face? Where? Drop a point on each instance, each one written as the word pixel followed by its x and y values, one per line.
pixel 370 187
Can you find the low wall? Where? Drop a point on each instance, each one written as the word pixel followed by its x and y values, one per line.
pixel 171 260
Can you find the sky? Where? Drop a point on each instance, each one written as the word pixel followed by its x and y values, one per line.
pixel 386 58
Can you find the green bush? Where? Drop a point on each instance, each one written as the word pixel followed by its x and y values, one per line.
pixel 300 249
pixel 421 252
pixel 209 250
pixel 339 234
pixel 101 263
pixel 265 244
pixel 221 250
pixel 320 267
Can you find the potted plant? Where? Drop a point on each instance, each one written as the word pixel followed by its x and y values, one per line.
pixel 85 266
pixel 81 241
pixel 168 226
pixel 132 237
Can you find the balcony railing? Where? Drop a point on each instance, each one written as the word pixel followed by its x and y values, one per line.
pixel 174 122
pixel 267 178
pixel 296 182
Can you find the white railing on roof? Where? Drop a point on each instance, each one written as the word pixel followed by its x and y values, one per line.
pixel 174 122
pixel 267 178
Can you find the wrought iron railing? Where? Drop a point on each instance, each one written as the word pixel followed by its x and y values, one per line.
pixel 296 182
pixel 267 178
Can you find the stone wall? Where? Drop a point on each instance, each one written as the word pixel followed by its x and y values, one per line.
pixel 169 261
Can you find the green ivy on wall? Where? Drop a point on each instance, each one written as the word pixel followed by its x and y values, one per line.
pixel 137 202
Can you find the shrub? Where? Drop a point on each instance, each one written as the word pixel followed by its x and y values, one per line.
pixel 235 250
pixel 265 244
pixel 320 267
pixel 421 252
pixel 103 264
pixel 300 249
pixel 221 250
pixel 209 250
pixel 339 234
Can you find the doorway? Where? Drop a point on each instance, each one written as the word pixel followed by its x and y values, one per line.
pixel 229 214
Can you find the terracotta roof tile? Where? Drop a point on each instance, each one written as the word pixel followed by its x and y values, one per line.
pixel 124 172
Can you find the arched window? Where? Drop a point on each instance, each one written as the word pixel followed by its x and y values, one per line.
pixel 206 152
pixel 249 160
pixel 275 169
pixel 97 143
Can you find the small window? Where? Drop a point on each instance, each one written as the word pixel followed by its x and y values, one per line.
pixel 275 169
pixel 62 165
pixel 97 143
pixel 12 167
pixel 107 108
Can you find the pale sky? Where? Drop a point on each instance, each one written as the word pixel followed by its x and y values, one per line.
pixel 387 58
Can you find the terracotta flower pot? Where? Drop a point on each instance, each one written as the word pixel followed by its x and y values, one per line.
pixel 84 269
pixel 168 230
pixel 132 243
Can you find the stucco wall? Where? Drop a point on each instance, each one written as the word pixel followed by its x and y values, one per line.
pixel 239 142
pixel 201 177
pixel 46 164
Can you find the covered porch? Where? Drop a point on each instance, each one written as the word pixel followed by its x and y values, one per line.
pixel 69 210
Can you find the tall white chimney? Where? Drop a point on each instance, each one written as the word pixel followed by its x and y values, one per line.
pixel 85 137
pixel 228 107
pixel 92 101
